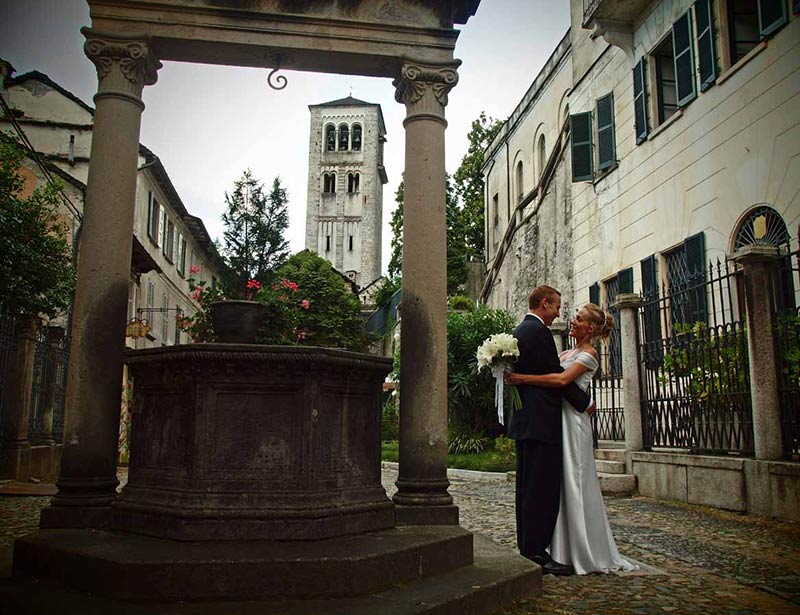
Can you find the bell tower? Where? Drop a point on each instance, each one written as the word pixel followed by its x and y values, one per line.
pixel 344 210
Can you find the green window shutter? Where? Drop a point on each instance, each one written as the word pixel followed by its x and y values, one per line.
pixel 771 16
pixel 652 320
pixel 625 280
pixel 684 59
pixel 581 130
pixel 606 145
pixel 705 44
pixel 695 247
pixel 594 293
pixel 150 215
pixel 640 100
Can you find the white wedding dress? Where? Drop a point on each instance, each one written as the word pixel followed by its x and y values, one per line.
pixel 582 536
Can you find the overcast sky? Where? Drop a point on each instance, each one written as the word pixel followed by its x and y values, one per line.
pixel 209 123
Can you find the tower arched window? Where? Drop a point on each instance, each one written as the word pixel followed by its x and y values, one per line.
pixel 344 137
pixel 329 183
pixel 520 180
pixel 353 181
pixel 542 154
pixel 356 137
pixel 330 138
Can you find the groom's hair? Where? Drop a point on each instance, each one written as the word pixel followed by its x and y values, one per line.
pixel 539 294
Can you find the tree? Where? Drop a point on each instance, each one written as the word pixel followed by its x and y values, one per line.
pixel 469 185
pixel 36 271
pixel 396 225
pixel 255 223
pixel 333 318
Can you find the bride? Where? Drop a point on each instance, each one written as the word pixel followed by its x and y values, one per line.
pixel 582 536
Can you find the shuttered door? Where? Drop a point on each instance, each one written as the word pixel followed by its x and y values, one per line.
pixel 594 293
pixel 640 100
pixel 625 280
pixel 771 15
pixel 706 55
pixel 606 145
pixel 581 131
pixel 684 60
pixel 652 321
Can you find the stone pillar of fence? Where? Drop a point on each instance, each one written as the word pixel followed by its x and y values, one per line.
pixel 628 305
pixel 758 263
pixel 559 331
pixel 16 450
pixel 55 336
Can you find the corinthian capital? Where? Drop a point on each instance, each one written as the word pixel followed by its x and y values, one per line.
pixel 416 78
pixel 134 56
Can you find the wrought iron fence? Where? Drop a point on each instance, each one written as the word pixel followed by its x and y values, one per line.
pixel 787 345
pixel 608 422
pixel 694 364
pixel 36 426
pixel 7 346
pixel 60 397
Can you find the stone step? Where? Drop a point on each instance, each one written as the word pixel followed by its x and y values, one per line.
pixel 497 578
pixel 609 454
pixel 617 484
pixel 610 467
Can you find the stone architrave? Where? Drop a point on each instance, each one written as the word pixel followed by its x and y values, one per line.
pixel 628 305
pixel 87 481
pixel 15 462
pixel 758 263
pixel 422 495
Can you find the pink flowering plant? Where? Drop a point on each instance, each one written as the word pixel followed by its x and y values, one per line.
pixel 286 312
pixel 198 326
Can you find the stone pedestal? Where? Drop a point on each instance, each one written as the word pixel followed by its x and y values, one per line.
pixel 245 442
pixel 15 462
pixel 758 262
pixel 422 481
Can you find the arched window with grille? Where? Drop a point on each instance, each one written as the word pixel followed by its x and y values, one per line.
pixel 356 137
pixel 330 138
pixel 520 181
pixel 344 137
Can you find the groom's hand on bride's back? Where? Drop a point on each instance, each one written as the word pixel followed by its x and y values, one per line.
pixel 592 408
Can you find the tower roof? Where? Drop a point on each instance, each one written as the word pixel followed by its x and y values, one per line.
pixel 346 102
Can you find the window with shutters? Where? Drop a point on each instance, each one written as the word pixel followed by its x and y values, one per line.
pixel 165 319
pixel 651 314
pixel 750 21
pixel 180 262
pixel 168 247
pixel 706 50
pixel 356 137
pixel 520 182
pixel 594 294
pixel 666 98
pixel 683 50
pixel 582 155
pixel 613 364
pixel 152 218
pixel 640 100
pixel 606 141
pixel 330 138
pixel 686 276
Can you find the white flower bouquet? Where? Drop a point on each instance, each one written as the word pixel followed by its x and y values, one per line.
pixel 498 352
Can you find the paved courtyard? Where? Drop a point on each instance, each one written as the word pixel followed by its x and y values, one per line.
pixel 694 559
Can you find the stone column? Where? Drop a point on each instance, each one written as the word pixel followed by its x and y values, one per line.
pixel 87 481
pixel 16 449
pixel 422 496
pixel 628 305
pixel 758 263
pixel 54 337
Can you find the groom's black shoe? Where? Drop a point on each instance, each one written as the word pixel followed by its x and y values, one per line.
pixel 542 560
pixel 560 570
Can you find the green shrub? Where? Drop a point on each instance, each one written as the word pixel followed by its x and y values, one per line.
pixel 470 399
pixel 390 420
pixel 460 302
pixel 506 450
pixel 467 443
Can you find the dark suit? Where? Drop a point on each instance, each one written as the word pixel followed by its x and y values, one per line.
pixel 537 429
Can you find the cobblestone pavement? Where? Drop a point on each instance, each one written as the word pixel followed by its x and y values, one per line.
pixel 694 560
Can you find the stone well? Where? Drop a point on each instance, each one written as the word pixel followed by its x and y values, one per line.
pixel 240 442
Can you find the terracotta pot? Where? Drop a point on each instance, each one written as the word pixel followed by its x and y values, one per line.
pixel 237 322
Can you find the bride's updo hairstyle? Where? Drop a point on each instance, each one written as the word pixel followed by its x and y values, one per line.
pixel 602 321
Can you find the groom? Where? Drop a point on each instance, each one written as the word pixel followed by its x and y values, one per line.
pixel 536 427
